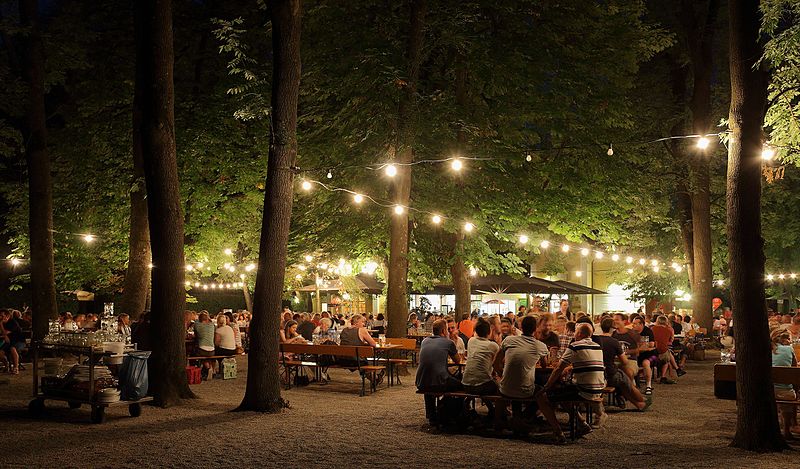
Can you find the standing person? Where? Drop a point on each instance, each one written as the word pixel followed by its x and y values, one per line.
pixel 517 359
pixel 14 337
pixel 564 310
pixel 432 373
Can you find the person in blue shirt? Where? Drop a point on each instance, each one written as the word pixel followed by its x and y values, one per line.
pixel 783 355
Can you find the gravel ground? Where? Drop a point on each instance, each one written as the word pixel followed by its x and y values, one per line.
pixel 330 426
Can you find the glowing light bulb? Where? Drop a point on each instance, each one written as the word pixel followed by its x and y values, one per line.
pixel 584 252
pixel 250 267
pixel 205 287
pixel 610 151
pixel 528 158
pixel 654 262
pixel 473 271
pixel 679 292
pixel 391 170
pixel 301 267
pixel 544 244
pixel 196 284
pixel 226 265
pixel 781 276
pixel 565 248
pixel 615 257
pixel 770 277
pixel 629 260
pixel 15 262
pixel 703 143
pixel 523 239
pixel 767 153
pixel 578 273
pixel 88 238
pixel 398 209
pixel 598 255
pixel 189 267
pixel 305 185
pixel 720 282
pixel 642 261
pixel 456 164
pixel 630 271
pixel 468 227
pixel 200 265
pixel 358 198
pixel 150 265
pixel 656 268
pixel 228 251
pixel 329 175
pixel 436 219
pixel 298 277
pixel 242 276
pixel 792 275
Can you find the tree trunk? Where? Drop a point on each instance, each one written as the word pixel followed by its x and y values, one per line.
pixel 263 391
pixel 248 300
pixel 40 190
pixel 756 422
pixel 685 222
pixel 396 294
pixel 154 61
pixel 458 271
pixel 701 52
pixel 137 277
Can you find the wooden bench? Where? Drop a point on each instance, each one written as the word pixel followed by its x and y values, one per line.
pixel 352 352
pixel 405 346
pixel 572 406
pixel 725 380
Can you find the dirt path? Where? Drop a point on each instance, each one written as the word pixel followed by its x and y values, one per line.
pixel 330 426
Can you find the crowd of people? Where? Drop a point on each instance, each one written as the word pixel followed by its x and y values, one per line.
pixel 220 336
pixel 536 361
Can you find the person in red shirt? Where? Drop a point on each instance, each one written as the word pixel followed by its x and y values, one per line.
pixel 467 326
pixel 664 335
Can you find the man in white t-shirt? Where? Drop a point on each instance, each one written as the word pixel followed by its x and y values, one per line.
pixel 519 355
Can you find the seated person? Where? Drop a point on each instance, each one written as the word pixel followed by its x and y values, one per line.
pixel 432 373
pixel 648 355
pixel 224 339
pixel 630 344
pixel 324 331
pixel 507 328
pixel 518 356
pixel 477 377
pixel 664 336
pixel 305 327
pixel 356 333
pixel 783 355
pixel 289 333
pixel 612 351
pixel 588 373
pixel 544 332
pixel 455 336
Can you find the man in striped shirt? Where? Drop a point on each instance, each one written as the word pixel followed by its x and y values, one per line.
pixel 588 372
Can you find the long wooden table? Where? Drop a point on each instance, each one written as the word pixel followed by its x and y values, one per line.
pixel 725 378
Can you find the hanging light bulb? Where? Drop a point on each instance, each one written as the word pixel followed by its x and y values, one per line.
pixel 767 153
pixel 205 287
pixel 226 265
pixel 615 257
pixel 656 268
pixel 565 248
pixel 528 158
pixel 523 239
pixel 228 251
pixel 781 276
pixel 578 273
pixel 610 151
pixel 298 277
pixel 15 262
pixel 358 198
pixel 630 271
pixel 654 262
pixel 250 267
pixel 770 277
pixel 456 164
pixel 473 271
pixel 468 227
pixel 88 238
pixel 792 275
pixel 391 170
pixel 329 175
pixel 703 143
pixel 231 269
pixel 301 267
pixel 305 185
pixel 629 260
pixel 642 261
pixel 598 255
pixel 200 265
pixel 398 209
pixel 196 284
pixel 308 258
pixel 242 276
pixel 585 252
pixel 189 267
pixel 436 219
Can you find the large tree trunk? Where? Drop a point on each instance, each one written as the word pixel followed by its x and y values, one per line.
pixel 756 423
pixel 263 384
pixel 137 277
pixel 154 61
pixel 685 222
pixel 700 32
pixel 248 300
pixel 461 286
pixel 458 271
pixel 396 294
pixel 40 190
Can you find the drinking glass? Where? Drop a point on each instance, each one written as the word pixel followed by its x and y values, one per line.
pixel 382 339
